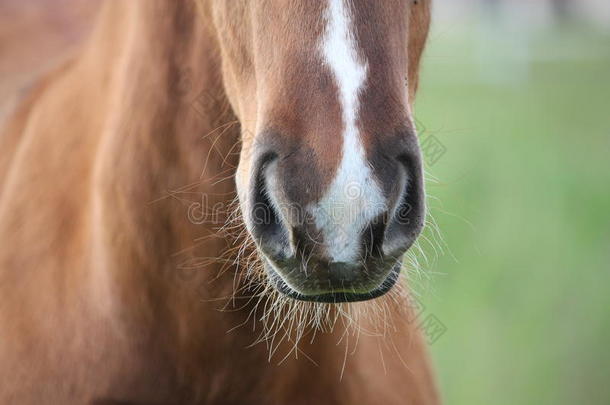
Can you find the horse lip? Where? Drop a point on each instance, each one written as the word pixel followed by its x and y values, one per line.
pixel 337 295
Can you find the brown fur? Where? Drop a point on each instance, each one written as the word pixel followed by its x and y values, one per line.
pixel 98 169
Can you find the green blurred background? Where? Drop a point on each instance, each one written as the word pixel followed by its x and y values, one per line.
pixel 520 104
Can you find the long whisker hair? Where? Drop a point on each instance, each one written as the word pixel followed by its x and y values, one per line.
pixel 277 319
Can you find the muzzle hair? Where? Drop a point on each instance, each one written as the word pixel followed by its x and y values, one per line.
pixel 282 321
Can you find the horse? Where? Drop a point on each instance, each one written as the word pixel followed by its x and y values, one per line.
pixel 210 204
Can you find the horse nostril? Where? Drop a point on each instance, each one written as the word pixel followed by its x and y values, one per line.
pixel 373 235
pixel 407 220
pixel 266 223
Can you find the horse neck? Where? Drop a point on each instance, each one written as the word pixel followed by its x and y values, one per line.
pixel 166 154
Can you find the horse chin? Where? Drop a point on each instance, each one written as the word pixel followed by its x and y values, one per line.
pixel 332 296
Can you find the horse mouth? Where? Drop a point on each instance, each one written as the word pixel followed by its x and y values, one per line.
pixel 329 289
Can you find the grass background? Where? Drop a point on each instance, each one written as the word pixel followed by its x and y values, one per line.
pixel 523 203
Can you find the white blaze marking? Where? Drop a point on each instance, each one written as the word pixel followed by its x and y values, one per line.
pixel 354 198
